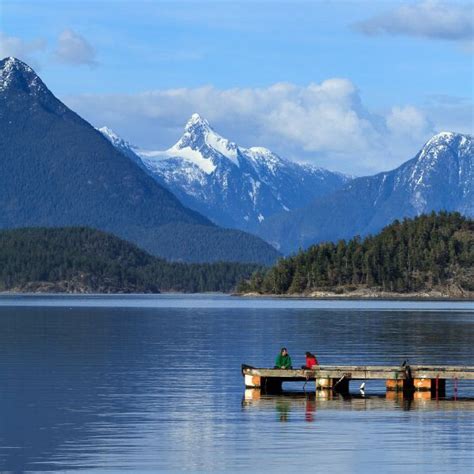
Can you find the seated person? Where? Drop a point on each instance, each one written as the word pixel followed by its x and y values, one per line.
pixel 283 360
pixel 311 361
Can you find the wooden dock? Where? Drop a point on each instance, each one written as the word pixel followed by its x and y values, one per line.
pixel 407 378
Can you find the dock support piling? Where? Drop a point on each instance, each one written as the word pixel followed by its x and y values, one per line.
pixel 252 381
pixel 324 384
pixel 422 385
pixel 394 385
pixel 404 386
pixel 436 386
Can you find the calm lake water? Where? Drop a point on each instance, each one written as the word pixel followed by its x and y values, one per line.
pixel 142 383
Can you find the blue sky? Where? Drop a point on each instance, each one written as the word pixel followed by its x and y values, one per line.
pixel 354 86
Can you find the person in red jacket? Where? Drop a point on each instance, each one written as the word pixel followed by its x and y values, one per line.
pixel 311 361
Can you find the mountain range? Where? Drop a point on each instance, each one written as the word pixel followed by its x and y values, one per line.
pixel 233 186
pixel 293 205
pixel 58 170
pixel 439 177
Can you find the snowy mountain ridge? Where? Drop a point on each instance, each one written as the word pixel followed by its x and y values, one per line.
pixel 440 177
pixel 232 185
pixel 447 156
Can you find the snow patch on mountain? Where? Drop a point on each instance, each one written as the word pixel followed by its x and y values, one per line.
pixel 223 146
pixel 113 137
pixel 262 157
pixel 155 159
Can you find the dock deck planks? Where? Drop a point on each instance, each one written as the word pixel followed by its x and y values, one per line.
pixel 364 372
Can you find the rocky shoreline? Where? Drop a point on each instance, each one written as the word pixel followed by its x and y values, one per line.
pixel 78 288
pixel 376 294
pixel 73 287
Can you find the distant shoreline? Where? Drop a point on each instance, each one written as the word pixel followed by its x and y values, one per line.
pixel 372 296
pixel 322 296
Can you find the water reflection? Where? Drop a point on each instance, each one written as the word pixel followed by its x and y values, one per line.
pixel 305 405
pixel 310 408
pixel 128 388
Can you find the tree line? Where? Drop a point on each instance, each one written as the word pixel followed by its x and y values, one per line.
pixel 81 259
pixel 413 255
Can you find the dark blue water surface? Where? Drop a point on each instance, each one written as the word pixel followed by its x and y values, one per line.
pixel 153 383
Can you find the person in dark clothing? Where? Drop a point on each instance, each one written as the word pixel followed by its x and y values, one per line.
pixel 311 361
pixel 283 360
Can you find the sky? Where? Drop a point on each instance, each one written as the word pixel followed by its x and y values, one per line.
pixel 353 86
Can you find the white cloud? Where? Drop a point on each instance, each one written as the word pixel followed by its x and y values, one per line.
pixel 74 49
pixel 21 49
pixel 318 117
pixel 428 19
pixel 325 123
pixel 407 121
pixel 71 48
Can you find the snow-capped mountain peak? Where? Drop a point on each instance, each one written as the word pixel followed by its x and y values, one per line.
pixel 11 67
pixel 460 141
pixel 15 73
pixel 200 137
pixel 234 186
pixel 444 145
pixel 441 137
pixel 444 160
pixel 196 120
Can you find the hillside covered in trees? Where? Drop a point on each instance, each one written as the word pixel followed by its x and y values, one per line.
pixel 428 253
pixel 84 260
pixel 59 171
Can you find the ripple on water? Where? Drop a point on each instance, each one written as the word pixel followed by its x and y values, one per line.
pixel 146 384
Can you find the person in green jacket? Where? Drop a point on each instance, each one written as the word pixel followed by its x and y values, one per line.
pixel 283 360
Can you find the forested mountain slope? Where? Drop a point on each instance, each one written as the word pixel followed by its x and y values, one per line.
pixel 83 260
pixel 57 170
pixel 428 252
